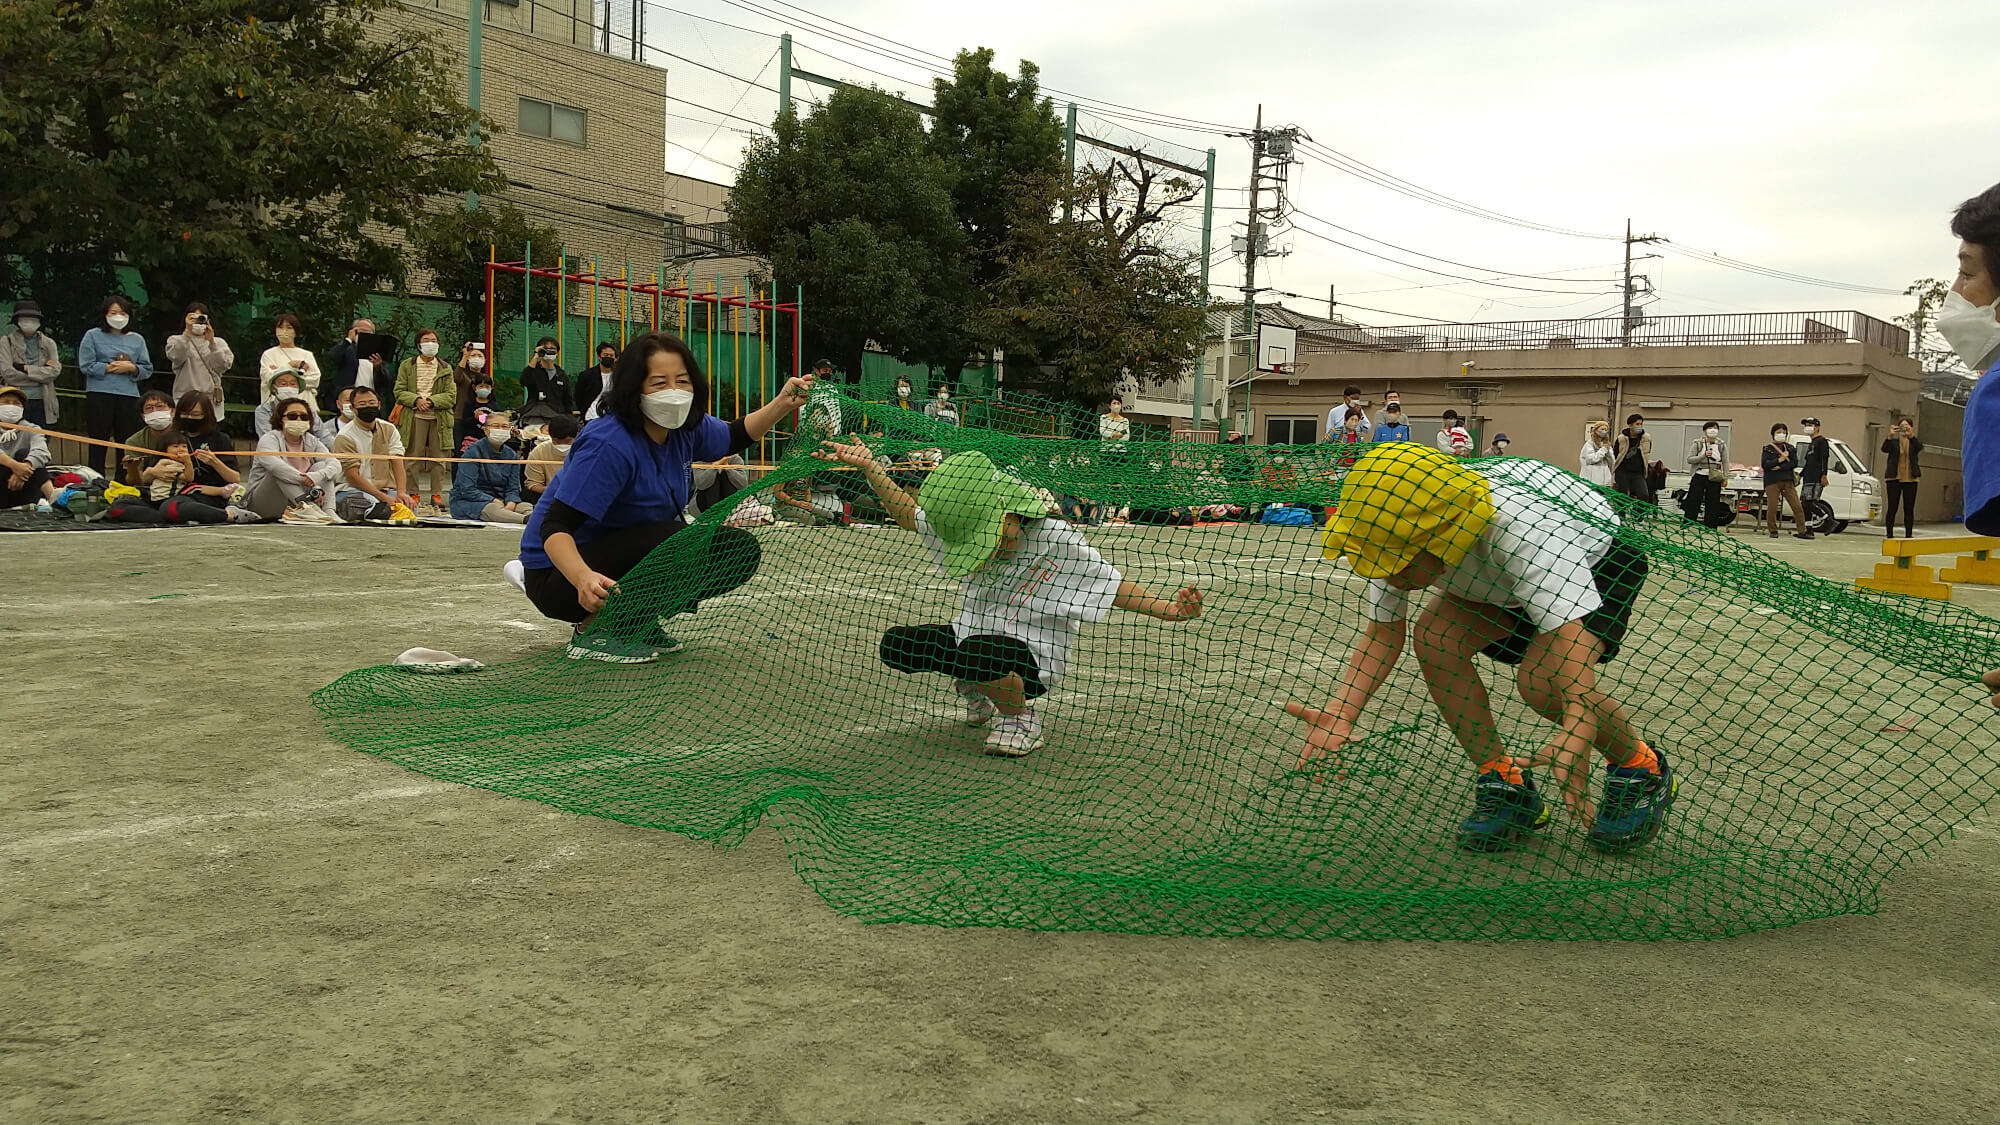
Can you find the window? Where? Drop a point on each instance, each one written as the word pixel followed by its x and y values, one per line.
pixel 548 119
pixel 1291 431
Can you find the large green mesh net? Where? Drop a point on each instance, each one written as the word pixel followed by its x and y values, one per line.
pixel 1806 739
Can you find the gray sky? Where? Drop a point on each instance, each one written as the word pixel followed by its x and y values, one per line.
pixel 1829 139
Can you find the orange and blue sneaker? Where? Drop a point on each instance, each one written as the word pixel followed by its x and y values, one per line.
pixel 1502 813
pixel 1635 804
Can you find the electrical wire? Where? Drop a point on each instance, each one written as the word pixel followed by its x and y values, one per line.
pixel 1362 170
pixel 1544 276
pixel 1715 259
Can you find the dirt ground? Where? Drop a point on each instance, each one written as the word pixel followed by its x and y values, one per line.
pixel 214 912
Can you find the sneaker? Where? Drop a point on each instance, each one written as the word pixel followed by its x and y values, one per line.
pixel 663 642
pixel 1015 736
pixel 1802 535
pixel 1502 813
pixel 1635 804
pixel 437 502
pixel 979 710
pixel 610 649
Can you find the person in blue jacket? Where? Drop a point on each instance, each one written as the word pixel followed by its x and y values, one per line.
pixel 623 491
pixel 115 363
pixel 1969 320
pixel 483 491
pixel 1393 426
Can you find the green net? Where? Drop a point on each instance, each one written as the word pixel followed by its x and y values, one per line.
pixel 1787 742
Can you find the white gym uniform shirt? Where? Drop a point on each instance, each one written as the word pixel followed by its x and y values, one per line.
pixel 1041 594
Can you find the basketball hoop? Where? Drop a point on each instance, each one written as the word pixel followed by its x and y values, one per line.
pixel 1473 391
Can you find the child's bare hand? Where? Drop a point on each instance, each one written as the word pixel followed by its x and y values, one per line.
pixel 1326 733
pixel 1186 606
pixel 1992 682
pixel 853 452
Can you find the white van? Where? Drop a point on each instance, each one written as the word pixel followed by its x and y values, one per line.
pixel 1852 493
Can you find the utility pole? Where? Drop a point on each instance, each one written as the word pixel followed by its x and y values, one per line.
pixel 1251 230
pixel 475 28
pixel 784 74
pixel 1207 230
pixel 1631 319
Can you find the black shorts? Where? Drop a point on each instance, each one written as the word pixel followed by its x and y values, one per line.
pixel 980 659
pixel 1618 575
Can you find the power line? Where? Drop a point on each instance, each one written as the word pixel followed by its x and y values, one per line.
pixel 1308 231
pixel 1297 210
pixel 1361 170
pixel 1715 259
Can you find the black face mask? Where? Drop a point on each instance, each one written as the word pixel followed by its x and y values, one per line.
pixel 368 414
pixel 190 422
pixel 606 361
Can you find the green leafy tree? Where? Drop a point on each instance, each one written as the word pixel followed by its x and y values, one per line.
pixel 1084 303
pixel 453 245
pixel 221 149
pixel 852 204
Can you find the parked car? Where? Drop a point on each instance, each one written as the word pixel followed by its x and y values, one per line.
pixel 1852 493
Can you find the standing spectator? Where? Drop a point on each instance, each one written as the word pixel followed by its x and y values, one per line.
pixel 1781 470
pixel 1594 462
pixel 1392 403
pixel 591 384
pixel 940 408
pixel 199 356
pixel 1629 457
pixel 29 360
pixel 903 393
pixel 1708 468
pixel 365 447
pixel 490 492
pixel 1452 436
pixel 1350 403
pixel 286 354
pixel 823 371
pixel 1350 439
pixel 24 455
pixel 156 415
pixel 539 471
pixel 478 399
pixel 1902 474
pixel 545 388
pixel 284 387
pixel 1113 427
pixel 297 487
pixel 114 362
pixel 1497 447
pixel 424 391
pixel 345 368
pixel 1392 426
pixel 215 477
pixel 471 366
pixel 1813 465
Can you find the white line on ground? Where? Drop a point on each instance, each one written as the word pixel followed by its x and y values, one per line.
pixel 153 826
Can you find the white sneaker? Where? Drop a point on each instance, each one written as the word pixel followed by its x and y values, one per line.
pixel 1015 736
pixel 979 710
pixel 306 514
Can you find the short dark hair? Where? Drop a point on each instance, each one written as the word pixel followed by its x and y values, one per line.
pixel 1450 415
pixel 547 341
pixel 285 318
pixel 1392 391
pixel 195 307
pixel 1119 399
pixel 285 407
pixel 628 380
pixel 174 437
pixel 1977 221
pixel 119 299
pixel 431 332
pixel 1634 419
pixel 603 344
pixel 1776 426
pixel 1351 390
pixel 162 397
pixel 563 426
pixel 195 400
pixel 1711 425
pixel 360 389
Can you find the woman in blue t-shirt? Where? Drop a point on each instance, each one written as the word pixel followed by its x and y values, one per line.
pixel 624 489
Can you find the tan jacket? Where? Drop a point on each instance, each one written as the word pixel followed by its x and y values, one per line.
pixel 43 364
pixel 540 469
pixel 354 441
pixel 199 363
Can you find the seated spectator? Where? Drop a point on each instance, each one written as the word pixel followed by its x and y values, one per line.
pixel 714 484
pixel 286 386
pixel 200 358
pixel 167 489
pixel 343 410
pixel 299 486
pixel 546 458
pixel 375 485
pixel 215 476
pixel 940 409
pixel 24 456
pixel 29 360
pixel 286 354
pixel 478 398
pixel 156 415
pixel 484 491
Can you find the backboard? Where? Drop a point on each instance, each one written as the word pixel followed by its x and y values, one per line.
pixel 1277 346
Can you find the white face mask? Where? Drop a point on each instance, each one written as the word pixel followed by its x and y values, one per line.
pixel 562 447
pixel 1970 329
pixel 28 325
pixel 944 396
pixel 428 347
pixel 1780 438
pixel 12 413
pixel 499 437
pixel 347 412
pixel 482 392
pixel 475 361
pixel 297 427
pixel 902 392
pixel 118 321
pixel 159 419
pixel 283 393
pixel 667 408
pixel 1711 434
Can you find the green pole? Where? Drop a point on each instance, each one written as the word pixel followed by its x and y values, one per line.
pixel 527 316
pixel 1207 233
pixel 784 74
pixel 1069 158
pixel 770 447
pixel 475 28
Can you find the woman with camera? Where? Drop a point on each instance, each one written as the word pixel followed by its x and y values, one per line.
pixel 199 357
pixel 286 354
pixel 545 386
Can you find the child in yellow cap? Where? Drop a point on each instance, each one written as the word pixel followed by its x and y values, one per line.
pixel 1529 569
pixel 1029 583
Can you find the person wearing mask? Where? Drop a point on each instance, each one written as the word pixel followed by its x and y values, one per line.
pixel 624 490
pixel 591 384
pixel 1393 427
pixel 903 393
pixel 199 356
pixel 369 450
pixel 24 454
pixel 346 368
pixel 285 355
pixel 166 492
pixel 545 386
pixel 471 364
pixel 1781 471
pixel 940 409
pixel 1113 428
pixel 1708 469
pixel 29 360
pixel 1452 436
pixel 539 471
pixel 298 486
pixel 215 474
pixel 1594 461
pixel 285 386
pixel 1350 403
pixel 343 410
pixel 426 394
pixel 488 492
pixel 823 371
pixel 1814 459
pixel 156 416
pixel 114 361
pixel 1498 446
pixel 479 399
pixel 1630 455
pixel 1351 438
pixel 1901 475
pixel 1391 401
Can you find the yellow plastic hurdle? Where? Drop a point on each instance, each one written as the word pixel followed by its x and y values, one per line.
pixel 1904 576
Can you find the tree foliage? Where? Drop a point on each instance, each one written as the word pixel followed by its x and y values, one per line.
pixel 1004 144
pixel 453 245
pixel 219 148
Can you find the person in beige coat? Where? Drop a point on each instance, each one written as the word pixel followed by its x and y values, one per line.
pixel 200 358
pixel 29 360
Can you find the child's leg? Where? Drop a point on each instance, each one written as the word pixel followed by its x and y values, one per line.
pixel 996 667
pixel 1446 636
pixel 1546 681
pixel 1009 693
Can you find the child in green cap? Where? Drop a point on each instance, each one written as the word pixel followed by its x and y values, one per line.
pixel 1029 583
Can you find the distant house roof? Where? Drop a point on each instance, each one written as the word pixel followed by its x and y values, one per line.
pixel 1312 329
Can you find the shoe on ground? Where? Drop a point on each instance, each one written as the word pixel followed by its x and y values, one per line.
pixel 1802 535
pixel 610 649
pixel 1635 804
pixel 1774 535
pixel 979 710
pixel 1015 736
pixel 437 501
pixel 662 642
pixel 1502 813
pixel 307 514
